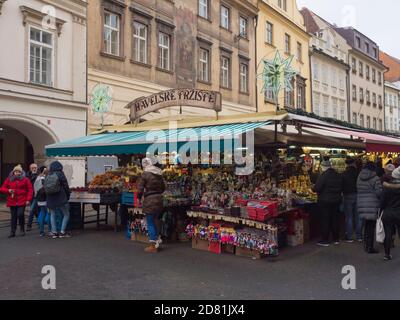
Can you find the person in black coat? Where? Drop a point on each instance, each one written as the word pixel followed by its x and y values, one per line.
pixel 329 188
pixel 350 201
pixel 390 204
pixel 59 201
pixel 32 176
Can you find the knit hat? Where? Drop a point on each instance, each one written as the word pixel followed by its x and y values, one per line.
pixel 18 168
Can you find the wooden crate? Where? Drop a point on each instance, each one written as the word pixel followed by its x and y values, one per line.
pixel 247 253
pixel 200 244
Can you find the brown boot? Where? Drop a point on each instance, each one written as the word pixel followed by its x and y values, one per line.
pixel 151 249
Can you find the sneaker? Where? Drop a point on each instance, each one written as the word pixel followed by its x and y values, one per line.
pixel 42 234
pixel 28 228
pixel 64 235
pixel 323 244
pixel 387 257
pixel 53 235
pixel 349 240
pixel 336 243
pixel 360 240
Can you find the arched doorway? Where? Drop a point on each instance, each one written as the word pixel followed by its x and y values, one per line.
pixel 22 141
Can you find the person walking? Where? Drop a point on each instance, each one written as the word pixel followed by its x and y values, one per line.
pixel 57 197
pixel 369 191
pixel 390 204
pixel 40 195
pixel 151 187
pixel 329 188
pixel 32 176
pixel 350 201
pixel 19 194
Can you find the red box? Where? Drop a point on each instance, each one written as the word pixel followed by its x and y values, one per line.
pixel 252 212
pixel 215 247
pixel 241 202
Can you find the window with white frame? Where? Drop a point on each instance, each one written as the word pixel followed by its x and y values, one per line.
pixel 317 103
pixel 334 78
pixel 316 70
pixel 354 118
pixel 41 48
pixel 225 17
pixel 342 110
pixel 139 42
pixel 287 43
pixel 326 106
pixel 269 32
pixel 374 123
pixel 362 123
pixel 164 51
pixel 111 33
pixel 243 27
pixel 225 72
pixel 299 52
pixel 204 65
pixel 203 8
pixel 368 122
pixel 244 78
pixel 335 108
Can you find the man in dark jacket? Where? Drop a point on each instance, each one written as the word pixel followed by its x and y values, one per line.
pixel 32 176
pixel 151 187
pixel 329 188
pixel 350 201
pixel 390 203
pixel 58 201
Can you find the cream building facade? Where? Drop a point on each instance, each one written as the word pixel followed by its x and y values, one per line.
pixel 392 107
pixel 281 27
pixel 329 69
pixel 141 47
pixel 42 81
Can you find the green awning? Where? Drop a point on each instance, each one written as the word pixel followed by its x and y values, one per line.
pixel 139 142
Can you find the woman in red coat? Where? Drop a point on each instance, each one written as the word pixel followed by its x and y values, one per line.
pixel 19 194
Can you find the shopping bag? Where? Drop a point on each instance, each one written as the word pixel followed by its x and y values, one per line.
pixel 380 231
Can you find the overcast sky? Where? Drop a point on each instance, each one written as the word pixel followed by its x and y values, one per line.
pixel 379 20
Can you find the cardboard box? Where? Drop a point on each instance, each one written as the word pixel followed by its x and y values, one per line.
pixel 247 253
pixel 140 237
pixel 200 244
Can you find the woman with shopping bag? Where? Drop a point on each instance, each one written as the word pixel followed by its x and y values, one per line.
pixel 390 203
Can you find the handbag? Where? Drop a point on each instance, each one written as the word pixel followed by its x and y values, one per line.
pixel 380 230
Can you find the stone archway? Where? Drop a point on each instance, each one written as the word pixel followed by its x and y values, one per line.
pixel 20 136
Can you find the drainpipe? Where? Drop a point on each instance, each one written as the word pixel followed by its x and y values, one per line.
pixel 255 60
pixel 311 81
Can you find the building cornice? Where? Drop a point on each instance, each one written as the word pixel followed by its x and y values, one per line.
pixel 321 52
pixel 34 14
pixel 370 59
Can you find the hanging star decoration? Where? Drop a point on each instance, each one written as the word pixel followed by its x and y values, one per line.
pixel 277 74
pixel 101 100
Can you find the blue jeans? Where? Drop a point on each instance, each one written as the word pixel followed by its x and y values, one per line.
pixel 42 219
pixel 65 212
pixel 32 211
pixel 351 213
pixel 151 227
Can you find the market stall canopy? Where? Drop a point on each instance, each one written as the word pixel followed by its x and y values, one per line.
pixel 139 142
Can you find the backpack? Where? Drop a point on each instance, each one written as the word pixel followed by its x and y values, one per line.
pixel 52 184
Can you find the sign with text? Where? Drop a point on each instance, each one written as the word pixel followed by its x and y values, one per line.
pixel 175 97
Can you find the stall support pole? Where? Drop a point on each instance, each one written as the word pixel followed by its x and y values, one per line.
pixel 106 214
pixel 276 132
pixel 83 216
pixel 98 217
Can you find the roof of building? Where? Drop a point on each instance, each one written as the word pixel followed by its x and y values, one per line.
pixel 393 74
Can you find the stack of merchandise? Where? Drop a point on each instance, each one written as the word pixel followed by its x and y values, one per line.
pixel 139 226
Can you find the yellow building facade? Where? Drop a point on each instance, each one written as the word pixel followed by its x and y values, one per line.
pixel 280 27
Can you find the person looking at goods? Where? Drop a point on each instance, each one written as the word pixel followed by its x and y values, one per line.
pixel 151 187
pixel 40 195
pixel 32 176
pixel 329 187
pixel 390 203
pixel 19 193
pixel 369 191
pixel 350 201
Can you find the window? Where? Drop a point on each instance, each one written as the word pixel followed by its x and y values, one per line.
pixel 368 97
pixel 354 93
pixel 203 8
pixel 362 124
pixel 326 106
pixel 316 71
pixel 301 93
pixel 380 125
pixel 367 47
pixel 358 42
pixel 164 51
pixel 367 72
pixel 282 4
pixel 374 99
pixel 299 52
pixel 354 118
pixel 111 33
pixel 244 74
pixel 289 97
pixel 373 75
pixel 342 110
pixel 41 57
pixel 368 122
pixel 335 108
pixel 354 65
pixel 139 42
pixel 374 124
pixel 269 33
pixel 379 78
pixel 361 95
pixel 204 65
pixel 334 78
pixel 361 66
pixel 225 72
pixel 243 27
pixel 287 43
pixel 225 17
pixel 316 104
pixel 380 101
pixel 376 53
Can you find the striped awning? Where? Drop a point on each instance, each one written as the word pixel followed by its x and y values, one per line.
pixel 139 142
